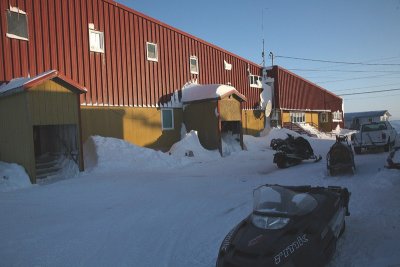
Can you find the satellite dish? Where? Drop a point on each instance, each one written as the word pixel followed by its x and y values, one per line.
pixel 268 109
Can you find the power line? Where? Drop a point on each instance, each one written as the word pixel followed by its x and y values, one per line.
pixel 340 62
pixel 363 87
pixel 321 70
pixel 371 92
pixel 356 78
pixel 369 97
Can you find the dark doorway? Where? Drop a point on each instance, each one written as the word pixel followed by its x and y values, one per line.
pixel 53 144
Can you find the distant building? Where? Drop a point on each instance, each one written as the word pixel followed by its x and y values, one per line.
pixel 353 120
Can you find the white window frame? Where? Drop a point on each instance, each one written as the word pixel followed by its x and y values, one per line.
pixel 172 119
pixel 155 59
pixel 19 12
pixel 255 81
pixel 94 48
pixel 337 116
pixel 298 117
pixel 197 65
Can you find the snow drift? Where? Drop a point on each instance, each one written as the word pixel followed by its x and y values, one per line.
pixel 12 177
pixel 112 153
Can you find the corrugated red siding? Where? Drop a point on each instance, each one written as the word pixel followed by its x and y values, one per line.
pixel 59 39
pixel 294 92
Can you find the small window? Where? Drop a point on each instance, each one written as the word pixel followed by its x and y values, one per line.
pixel 337 116
pixel 96 40
pixel 152 53
pixel 255 81
pixel 194 65
pixel 17 24
pixel 167 119
pixel 297 117
pixel 323 117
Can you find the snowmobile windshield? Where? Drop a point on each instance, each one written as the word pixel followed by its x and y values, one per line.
pixel 278 201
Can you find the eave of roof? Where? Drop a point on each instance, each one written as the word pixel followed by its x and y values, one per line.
pixel 23 84
pixel 208 92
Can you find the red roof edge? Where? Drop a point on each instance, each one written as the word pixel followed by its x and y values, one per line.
pixel 234 92
pixel 41 78
pixel 54 74
pixel 81 89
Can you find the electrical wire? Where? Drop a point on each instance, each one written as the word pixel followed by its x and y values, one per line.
pixel 371 92
pixel 369 97
pixel 363 87
pixel 321 70
pixel 356 78
pixel 339 62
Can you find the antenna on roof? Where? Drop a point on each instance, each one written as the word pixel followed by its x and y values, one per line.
pixel 262 33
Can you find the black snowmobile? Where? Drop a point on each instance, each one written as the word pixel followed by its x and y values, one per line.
pixel 340 157
pixel 292 151
pixel 276 143
pixel 391 161
pixel 289 226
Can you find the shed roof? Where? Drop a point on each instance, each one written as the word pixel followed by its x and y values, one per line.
pixel 366 114
pixel 198 92
pixel 22 84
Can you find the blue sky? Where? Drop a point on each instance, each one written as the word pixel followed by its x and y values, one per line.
pixel 363 31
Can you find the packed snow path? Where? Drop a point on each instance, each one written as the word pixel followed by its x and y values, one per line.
pixel 178 216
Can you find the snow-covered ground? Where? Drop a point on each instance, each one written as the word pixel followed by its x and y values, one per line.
pixel 138 207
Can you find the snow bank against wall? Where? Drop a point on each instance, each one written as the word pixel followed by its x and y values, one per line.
pixel 190 147
pixel 12 177
pixel 112 153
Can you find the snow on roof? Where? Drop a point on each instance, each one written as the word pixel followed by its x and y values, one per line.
pixel 197 92
pixel 364 114
pixel 20 84
pixel 13 84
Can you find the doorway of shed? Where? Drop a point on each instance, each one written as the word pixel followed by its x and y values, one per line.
pixel 56 149
pixel 231 137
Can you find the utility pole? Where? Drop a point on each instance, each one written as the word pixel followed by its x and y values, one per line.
pixel 271 56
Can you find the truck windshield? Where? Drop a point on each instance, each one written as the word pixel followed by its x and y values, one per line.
pixel 374 127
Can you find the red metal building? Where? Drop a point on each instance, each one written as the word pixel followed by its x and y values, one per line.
pixel 119 73
pixel 296 99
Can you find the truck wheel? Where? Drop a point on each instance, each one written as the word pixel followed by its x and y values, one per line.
pixel 357 150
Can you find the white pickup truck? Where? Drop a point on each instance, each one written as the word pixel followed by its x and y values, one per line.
pixel 374 135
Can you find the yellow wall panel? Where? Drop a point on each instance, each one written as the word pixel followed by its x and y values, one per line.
pixel 252 121
pixel 229 109
pixel 202 118
pixel 16 134
pixel 52 104
pixel 285 116
pixel 140 126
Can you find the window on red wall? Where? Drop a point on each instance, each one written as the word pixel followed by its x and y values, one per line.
pixel 152 52
pixel 194 65
pixel 96 40
pixel 17 24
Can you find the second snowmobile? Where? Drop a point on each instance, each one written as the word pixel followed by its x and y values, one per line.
pixel 292 151
pixel 340 157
